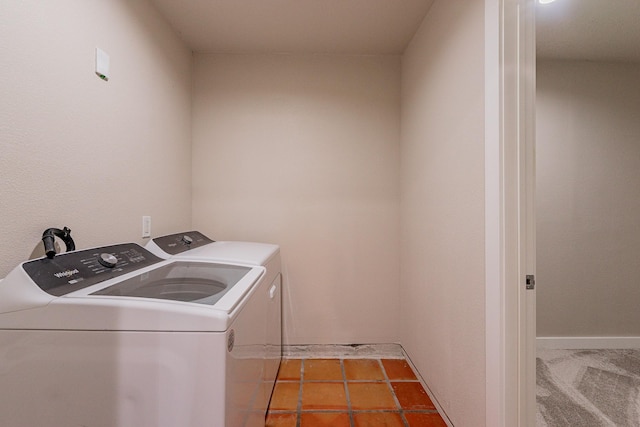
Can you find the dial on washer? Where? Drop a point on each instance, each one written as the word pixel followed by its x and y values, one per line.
pixel 107 260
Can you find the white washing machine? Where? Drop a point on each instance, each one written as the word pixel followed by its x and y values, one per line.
pixel 116 336
pixel 194 245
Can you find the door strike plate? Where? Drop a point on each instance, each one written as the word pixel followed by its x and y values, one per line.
pixel 531 282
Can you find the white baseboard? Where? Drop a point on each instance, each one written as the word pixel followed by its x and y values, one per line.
pixel 433 398
pixel 579 343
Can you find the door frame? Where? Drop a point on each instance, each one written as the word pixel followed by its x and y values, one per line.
pixel 509 212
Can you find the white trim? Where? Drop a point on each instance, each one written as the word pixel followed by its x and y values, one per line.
pixel 509 207
pixel 494 256
pixel 433 398
pixel 578 343
pixel 527 334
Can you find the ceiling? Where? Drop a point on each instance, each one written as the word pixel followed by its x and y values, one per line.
pixel 597 30
pixel 296 26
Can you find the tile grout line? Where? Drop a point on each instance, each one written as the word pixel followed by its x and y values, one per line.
pixel 393 393
pixel 346 392
pixel 299 406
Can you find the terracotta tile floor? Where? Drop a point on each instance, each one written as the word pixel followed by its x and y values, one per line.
pixel 350 393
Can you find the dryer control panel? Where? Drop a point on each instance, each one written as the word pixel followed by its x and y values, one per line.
pixel 174 244
pixel 71 271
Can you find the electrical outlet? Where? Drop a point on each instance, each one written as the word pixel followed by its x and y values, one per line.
pixel 146 226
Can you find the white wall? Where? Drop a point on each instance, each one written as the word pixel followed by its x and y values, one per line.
pixel 80 152
pixel 588 167
pixel 442 214
pixel 303 151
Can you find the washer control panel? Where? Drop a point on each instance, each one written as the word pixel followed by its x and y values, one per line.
pixel 71 271
pixel 181 242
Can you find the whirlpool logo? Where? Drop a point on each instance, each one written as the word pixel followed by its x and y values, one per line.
pixel 67 273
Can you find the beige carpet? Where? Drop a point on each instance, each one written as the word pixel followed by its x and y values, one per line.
pixel 588 388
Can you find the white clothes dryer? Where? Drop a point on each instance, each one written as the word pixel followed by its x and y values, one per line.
pixel 116 336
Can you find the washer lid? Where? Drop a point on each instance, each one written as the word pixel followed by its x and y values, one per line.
pixel 195 282
pixel 144 300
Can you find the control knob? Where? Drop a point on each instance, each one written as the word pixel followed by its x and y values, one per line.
pixel 187 240
pixel 107 260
